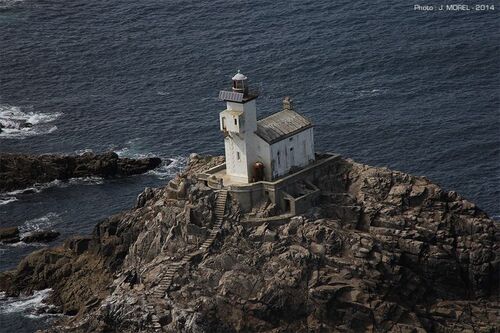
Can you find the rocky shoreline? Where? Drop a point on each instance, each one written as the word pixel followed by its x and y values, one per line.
pixel 19 171
pixel 382 251
pixel 9 235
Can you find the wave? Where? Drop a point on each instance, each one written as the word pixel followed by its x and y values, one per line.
pixel 7 200
pixel 32 306
pixel 19 123
pixel 46 222
pixel 5 4
pixel 360 94
pixel 8 197
pixel 22 244
pixel 168 170
pixel 131 149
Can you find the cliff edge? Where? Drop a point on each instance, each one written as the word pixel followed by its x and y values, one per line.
pixel 382 251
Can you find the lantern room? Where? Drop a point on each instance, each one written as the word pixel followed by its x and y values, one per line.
pixel 240 83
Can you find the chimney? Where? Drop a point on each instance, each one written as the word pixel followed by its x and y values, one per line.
pixel 287 103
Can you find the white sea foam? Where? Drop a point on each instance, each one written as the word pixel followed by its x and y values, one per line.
pixel 14 120
pixel 23 244
pixel 83 151
pixel 131 149
pixel 169 167
pixel 6 198
pixel 93 180
pixel 360 94
pixel 4 4
pixel 32 305
pixel 168 170
pixel 45 222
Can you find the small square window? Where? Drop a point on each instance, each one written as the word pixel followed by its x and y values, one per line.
pixel 236 121
pixel 291 148
pixel 291 139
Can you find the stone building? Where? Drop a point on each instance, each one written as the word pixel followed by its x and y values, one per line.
pixel 264 149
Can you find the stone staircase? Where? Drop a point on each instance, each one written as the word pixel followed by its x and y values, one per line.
pixel 167 278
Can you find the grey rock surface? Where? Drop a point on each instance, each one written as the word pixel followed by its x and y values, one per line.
pixel 383 251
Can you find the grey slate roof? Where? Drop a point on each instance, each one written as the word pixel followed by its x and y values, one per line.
pixel 281 125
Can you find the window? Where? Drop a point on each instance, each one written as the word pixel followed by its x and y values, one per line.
pixel 236 121
pixel 279 159
pixel 223 123
pixel 238 156
pixel 291 148
pixel 291 139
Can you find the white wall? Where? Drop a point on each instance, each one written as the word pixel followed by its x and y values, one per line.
pixel 297 150
pixel 240 140
pixel 263 154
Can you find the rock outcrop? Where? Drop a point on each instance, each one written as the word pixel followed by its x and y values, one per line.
pixel 13 235
pixel 383 251
pixel 9 235
pixel 18 171
pixel 41 236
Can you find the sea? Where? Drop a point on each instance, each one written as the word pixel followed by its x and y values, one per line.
pixel 385 83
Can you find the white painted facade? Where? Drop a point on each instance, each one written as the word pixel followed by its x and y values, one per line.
pixel 244 148
pixel 239 123
pixel 282 156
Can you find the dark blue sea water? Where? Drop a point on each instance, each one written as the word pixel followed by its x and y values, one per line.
pixel 385 84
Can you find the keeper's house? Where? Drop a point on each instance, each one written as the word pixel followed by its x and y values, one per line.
pixel 262 149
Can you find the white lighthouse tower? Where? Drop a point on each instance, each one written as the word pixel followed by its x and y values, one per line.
pixel 238 122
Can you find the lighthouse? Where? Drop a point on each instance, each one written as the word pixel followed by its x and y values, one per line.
pixel 238 122
pixel 264 149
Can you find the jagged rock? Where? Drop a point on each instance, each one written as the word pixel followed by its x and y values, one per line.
pixel 384 252
pixel 145 195
pixel 9 235
pixel 194 157
pixel 43 236
pixel 18 171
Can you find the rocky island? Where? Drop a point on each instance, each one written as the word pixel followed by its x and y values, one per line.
pixel 380 251
pixel 18 171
